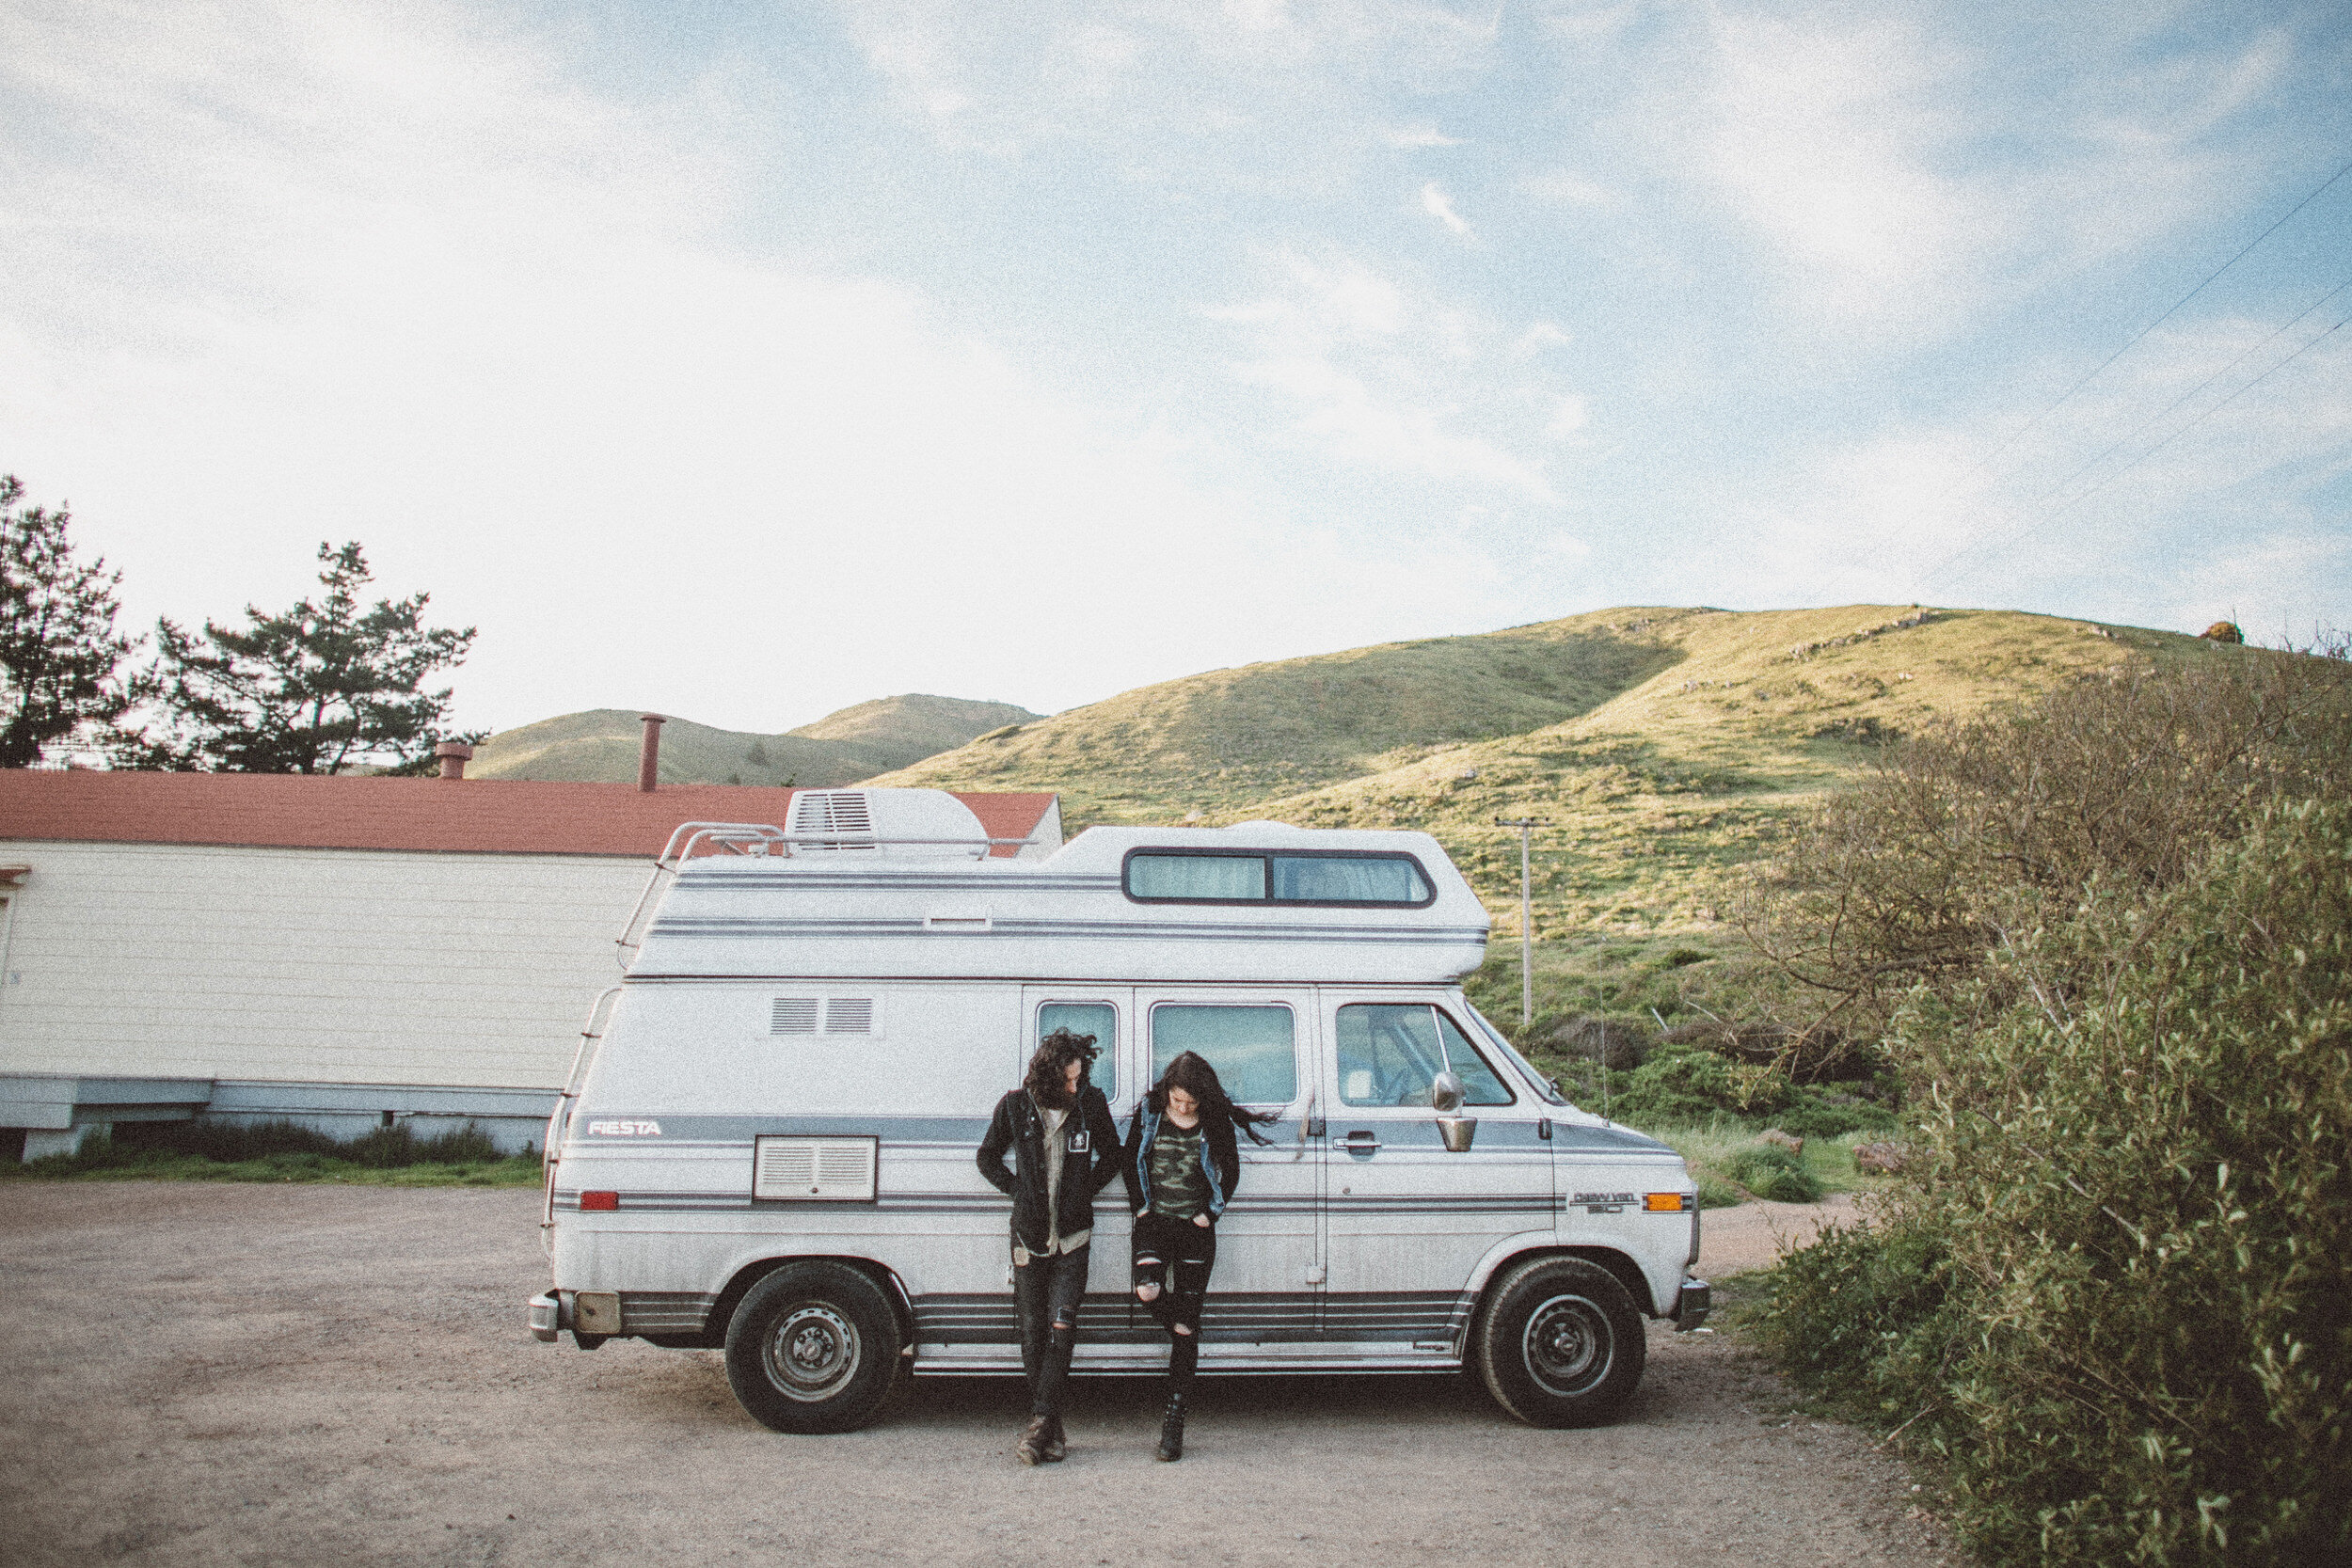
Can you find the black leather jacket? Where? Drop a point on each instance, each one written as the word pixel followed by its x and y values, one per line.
pixel 1091 1159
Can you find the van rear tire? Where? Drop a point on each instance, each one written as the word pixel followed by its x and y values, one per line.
pixel 813 1347
pixel 1560 1343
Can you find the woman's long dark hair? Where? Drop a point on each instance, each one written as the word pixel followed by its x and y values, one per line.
pixel 1191 1072
pixel 1048 1080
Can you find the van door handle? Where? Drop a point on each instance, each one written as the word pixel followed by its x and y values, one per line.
pixel 1359 1143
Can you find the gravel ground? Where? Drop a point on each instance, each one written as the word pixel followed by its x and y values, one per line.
pixel 313 1374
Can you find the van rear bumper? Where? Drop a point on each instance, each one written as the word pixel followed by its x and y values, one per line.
pixel 1691 1306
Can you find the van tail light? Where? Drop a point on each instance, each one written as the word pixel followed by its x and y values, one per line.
pixel 591 1202
pixel 1657 1203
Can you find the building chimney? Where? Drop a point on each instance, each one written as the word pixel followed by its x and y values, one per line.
pixel 454 754
pixel 649 753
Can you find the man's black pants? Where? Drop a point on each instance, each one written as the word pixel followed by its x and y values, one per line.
pixel 1046 1291
pixel 1177 1256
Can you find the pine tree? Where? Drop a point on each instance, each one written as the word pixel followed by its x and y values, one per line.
pixel 315 688
pixel 58 649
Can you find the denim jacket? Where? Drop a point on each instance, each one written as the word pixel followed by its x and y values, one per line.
pixel 1222 1160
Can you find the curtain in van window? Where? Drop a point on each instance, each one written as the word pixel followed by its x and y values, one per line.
pixel 1252 1048
pixel 1099 1019
pixel 1196 877
pixel 1346 880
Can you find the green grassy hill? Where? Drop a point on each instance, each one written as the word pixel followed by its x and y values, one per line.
pixel 601 745
pixel 1667 748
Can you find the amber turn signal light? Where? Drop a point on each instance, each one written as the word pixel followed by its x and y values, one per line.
pixel 1657 1203
pixel 591 1201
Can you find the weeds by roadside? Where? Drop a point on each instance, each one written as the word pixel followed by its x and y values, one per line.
pixel 284 1152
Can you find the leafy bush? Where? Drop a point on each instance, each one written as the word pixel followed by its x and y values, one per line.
pixel 1968 835
pixel 1811 1113
pixel 1770 1172
pixel 2113 1301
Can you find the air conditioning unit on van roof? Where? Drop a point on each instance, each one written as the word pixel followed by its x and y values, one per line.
pixel 912 824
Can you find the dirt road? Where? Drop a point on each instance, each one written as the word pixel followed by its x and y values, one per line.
pixel 242 1374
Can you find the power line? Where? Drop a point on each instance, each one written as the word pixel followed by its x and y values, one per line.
pixel 2015 436
pixel 2166 413
pixel 2037 524
pixel 2203 416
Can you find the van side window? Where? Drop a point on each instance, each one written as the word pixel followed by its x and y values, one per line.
pixel 1253 1048
pixel 1099 1019
pixel 1481 1086
pixel 1276 877
pixel 1348 879
pixel 1240 878
pixel 1388 1054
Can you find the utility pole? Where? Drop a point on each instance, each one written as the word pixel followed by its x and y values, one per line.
pixel 1527 920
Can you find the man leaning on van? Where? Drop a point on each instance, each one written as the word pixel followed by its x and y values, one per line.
pixel 1065 1150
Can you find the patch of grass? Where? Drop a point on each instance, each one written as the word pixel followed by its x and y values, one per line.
pixel 283 1151
pixel 1721 1154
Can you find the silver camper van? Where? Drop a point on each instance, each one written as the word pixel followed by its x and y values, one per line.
pixel 765 1143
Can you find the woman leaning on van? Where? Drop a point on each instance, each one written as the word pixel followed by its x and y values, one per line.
pixel 1182 1163
pixel 1065 1147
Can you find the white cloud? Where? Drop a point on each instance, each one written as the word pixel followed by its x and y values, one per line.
pixel 379 277
pixel 1420 136
pixel 1538 337
pixel 1908 173
pixel 1564 189
pixel 1382 380
pixel 1568 416
pixel 1440 206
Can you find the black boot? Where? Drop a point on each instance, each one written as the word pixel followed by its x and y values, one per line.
pixel 1056 1441
pixel 1173 1429
pixel 1030 1450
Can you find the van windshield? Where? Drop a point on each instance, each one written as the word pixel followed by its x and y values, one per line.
pixel 1548 1089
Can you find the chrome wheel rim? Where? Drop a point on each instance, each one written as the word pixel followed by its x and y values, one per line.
pixel 811 1352
pixel 1567 1347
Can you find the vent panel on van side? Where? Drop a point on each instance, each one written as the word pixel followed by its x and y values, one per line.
pixel 797 1167
pixel 793 1014
pixel 851 1015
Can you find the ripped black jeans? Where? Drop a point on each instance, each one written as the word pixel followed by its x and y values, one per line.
pixel 1046 1291
pixel 1177 1256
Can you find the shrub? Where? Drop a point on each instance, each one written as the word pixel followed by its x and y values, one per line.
pixel 1691 1084
pixel 1811 1113
pixel 1966 836
pixel 2113 1300
pixel 286 1146
pixel 1773 1173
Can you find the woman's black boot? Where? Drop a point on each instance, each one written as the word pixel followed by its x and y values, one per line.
pixel 1173 1429
pixel 1057 1446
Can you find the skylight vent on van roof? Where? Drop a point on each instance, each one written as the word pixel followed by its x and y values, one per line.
pixel 825 815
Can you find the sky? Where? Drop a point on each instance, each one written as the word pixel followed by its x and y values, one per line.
pixel 745 361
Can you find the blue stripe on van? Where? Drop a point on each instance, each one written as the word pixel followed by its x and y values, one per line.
pixel 691 927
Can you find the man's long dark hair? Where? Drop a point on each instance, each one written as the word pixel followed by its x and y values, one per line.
pixel 1191 1072
pixel 1048 1078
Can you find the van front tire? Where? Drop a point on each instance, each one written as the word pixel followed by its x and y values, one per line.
pixel 1560 1343
pixel 813 1347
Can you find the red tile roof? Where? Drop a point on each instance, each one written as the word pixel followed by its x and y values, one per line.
pixel 514 816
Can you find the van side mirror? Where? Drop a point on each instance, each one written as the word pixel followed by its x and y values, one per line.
pixel 1445 1097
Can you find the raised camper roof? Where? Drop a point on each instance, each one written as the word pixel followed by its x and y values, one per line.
pixel 1256 902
